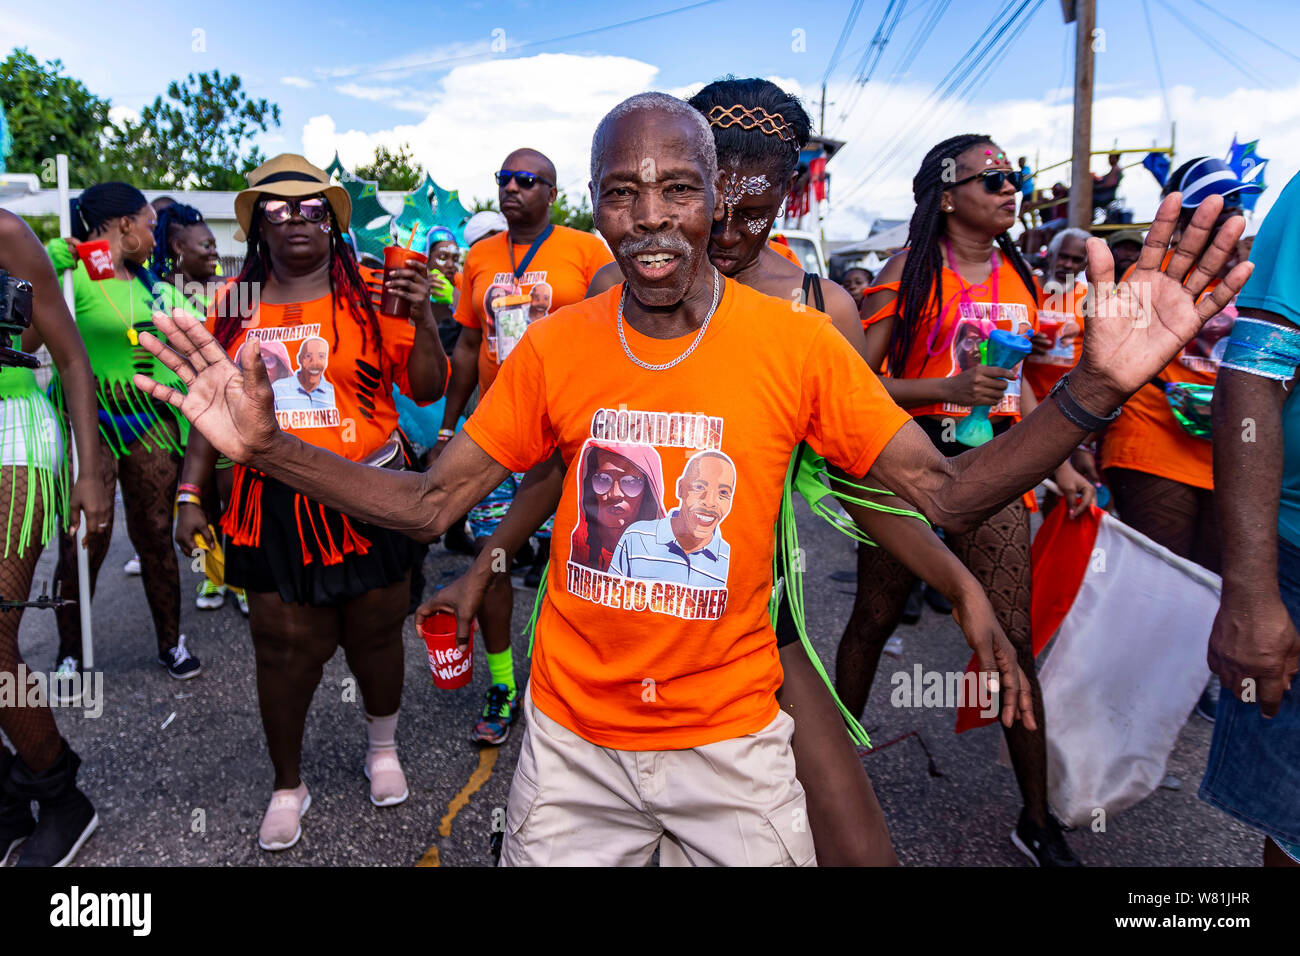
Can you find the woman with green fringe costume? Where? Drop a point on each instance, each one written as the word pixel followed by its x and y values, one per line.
pixel 847 823
pixel 33 493
pixel 141 441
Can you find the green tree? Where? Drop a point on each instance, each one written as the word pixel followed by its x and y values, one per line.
pixel 393 169
pixel 198 137
pixel 564 213
pixel 485 205
pixel 51 113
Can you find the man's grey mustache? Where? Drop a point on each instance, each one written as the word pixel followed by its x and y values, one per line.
pixel 631 246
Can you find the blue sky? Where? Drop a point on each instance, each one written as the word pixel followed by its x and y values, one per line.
pixel 350 75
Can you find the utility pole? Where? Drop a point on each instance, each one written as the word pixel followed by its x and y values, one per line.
pixel 1083 13
pixel 822 125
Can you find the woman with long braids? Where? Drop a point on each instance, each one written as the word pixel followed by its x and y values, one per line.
pixel 315 579
pixel 758 128
pixel 33 473
pixel 140 440
pixel 185 253
pixel 185 256
pixel 960 275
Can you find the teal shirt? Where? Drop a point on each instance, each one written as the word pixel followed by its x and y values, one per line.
pixel 1274 286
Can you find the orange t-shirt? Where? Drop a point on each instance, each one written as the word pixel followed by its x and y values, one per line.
pixel 1064 314
pixel 558 275
pixel 782 249
pixel 1146 437
pixel 649 638
pixel 345 402
pixel 949 345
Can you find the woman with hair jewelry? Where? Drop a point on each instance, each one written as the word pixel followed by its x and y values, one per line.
pixel 185 256
pixel 33 479
pixel 317 580
pixel 140 440
pixel 961 269
pixel 185 253
pixel 757 130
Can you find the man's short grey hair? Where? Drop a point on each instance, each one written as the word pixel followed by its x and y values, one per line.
pixel 705 149
pixel 1058 240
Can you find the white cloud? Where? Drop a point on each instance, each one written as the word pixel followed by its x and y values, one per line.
pixel 479 112
pixel 1041 131
pixel 120 114
pixel 297 82
pixel 447 56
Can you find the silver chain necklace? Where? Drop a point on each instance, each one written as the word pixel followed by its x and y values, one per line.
pixel 698 335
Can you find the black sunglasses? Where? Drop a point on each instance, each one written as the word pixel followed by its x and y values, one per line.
pixel 525 180
pixel 280 211
pixel 993 179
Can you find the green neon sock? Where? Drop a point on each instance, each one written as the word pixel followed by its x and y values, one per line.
pixel 502 668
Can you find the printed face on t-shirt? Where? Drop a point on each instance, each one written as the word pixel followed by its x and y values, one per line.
pixel 618 487
pixel 704 492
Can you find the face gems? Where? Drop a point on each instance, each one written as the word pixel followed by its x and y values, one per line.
pixel 738 187
pixel 1000 158
pixel 756 226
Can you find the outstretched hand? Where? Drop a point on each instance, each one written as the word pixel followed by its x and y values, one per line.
pixel 232 405
pixel 1139 325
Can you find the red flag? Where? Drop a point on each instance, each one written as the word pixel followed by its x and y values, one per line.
pixel 817 173
pixel 1059 561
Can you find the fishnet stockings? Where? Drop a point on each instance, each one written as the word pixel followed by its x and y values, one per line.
pixel 148 480
pixel 1170 513
pixel 997 554
pixel 30 729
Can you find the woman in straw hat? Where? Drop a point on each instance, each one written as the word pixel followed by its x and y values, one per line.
pixel 317 580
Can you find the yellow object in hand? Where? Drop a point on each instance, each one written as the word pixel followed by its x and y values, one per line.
pixel 214 560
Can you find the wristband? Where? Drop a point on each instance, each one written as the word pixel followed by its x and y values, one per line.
pixel 446 434
pixel 185 498
pixel 192 489
pixel 1075 413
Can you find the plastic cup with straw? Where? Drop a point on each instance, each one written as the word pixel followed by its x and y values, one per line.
pixel 1002 350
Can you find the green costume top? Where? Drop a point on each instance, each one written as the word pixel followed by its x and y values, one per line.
pixel 25 409
pixel 110 315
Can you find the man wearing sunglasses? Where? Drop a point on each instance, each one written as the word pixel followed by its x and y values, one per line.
pixel 552 265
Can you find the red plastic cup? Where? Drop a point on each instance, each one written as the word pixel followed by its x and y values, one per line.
pixel 451 665
pixel 97 257
pixel 1049 327
pixel 395 257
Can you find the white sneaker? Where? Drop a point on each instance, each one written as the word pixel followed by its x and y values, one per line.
pixel 132 566
pixel 211 596
pixel 67 691
pixel 894 646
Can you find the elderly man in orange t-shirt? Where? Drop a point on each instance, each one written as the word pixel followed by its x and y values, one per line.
pixel 651 715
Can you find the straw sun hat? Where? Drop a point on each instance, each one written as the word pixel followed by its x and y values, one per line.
pixel 288 176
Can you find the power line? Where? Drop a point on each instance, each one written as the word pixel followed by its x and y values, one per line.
pixel 1155 56
pixel 1245 29
pixel 850 21
pixel 974 56
pixel 1232 59
pixel 875 50
pixel 439 61
pixel 909 56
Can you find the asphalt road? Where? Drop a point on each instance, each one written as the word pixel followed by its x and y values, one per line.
pixel 180 776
